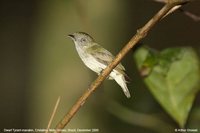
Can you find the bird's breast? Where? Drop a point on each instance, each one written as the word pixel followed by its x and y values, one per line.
pixel 94 64
pixel 89 60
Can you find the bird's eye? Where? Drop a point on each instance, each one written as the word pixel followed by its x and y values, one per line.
pixel 83 40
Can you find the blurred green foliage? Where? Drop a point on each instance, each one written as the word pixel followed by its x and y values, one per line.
pixel 173 80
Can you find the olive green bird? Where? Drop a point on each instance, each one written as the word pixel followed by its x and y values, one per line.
pixel 97 58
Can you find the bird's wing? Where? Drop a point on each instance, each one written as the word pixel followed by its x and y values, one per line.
pixel 104 56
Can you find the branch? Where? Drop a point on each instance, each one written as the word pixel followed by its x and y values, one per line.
pixel 53 114
pixel 141 33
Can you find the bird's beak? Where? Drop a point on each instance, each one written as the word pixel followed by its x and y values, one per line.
pixel 71 36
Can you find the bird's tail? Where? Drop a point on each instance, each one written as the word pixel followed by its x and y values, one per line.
pixel 120 79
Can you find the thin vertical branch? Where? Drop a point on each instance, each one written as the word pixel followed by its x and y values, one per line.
pixel 53 114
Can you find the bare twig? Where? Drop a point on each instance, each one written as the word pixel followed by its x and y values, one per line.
pixel 191 15
pixel 141 33
pixel 178 7
pixel 53 114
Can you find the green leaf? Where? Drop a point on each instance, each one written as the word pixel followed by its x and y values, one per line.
pixel 173 80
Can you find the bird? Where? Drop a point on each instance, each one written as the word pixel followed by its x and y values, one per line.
pixel 97 58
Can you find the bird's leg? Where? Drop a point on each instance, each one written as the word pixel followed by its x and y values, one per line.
pixel 110 78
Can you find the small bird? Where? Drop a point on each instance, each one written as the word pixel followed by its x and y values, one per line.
pixel 97 58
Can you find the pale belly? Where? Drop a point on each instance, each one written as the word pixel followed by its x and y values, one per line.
pixel 93 64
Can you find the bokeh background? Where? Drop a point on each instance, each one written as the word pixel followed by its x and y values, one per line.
pixel 39 64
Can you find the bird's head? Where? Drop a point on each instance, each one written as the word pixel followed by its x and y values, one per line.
pixel 81 38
